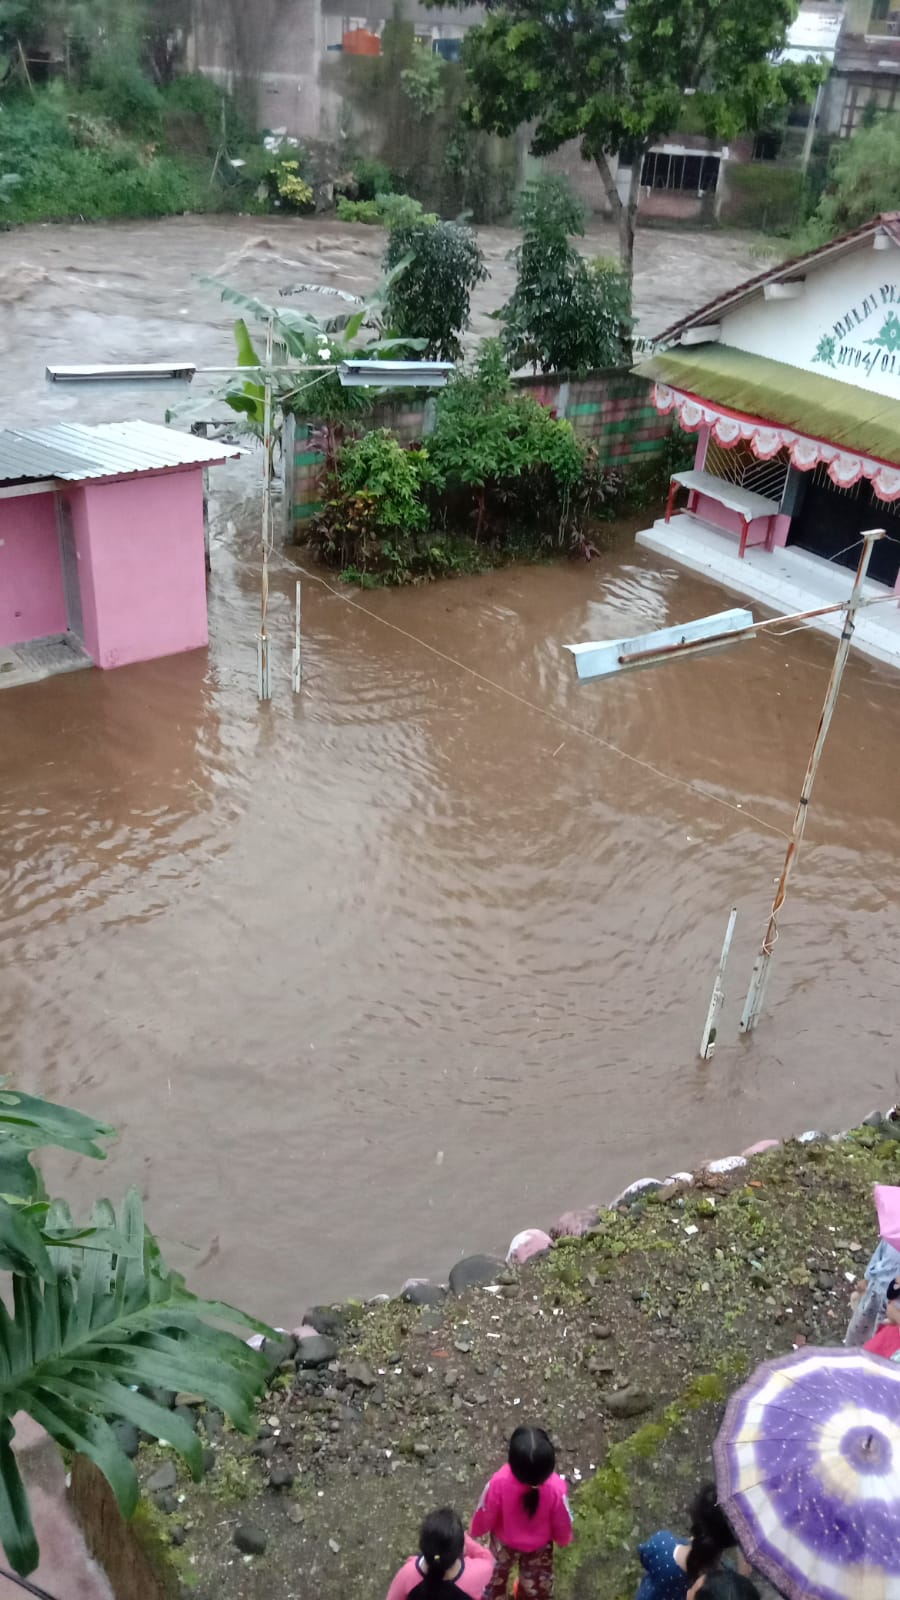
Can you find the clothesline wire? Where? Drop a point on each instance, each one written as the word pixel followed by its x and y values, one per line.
pixel 32 1588
pixel 544 711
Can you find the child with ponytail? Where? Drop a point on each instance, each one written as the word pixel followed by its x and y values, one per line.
pixel 526 1512
pixel 449 1566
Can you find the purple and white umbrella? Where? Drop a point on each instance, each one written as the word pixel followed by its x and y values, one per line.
pixel 808 1469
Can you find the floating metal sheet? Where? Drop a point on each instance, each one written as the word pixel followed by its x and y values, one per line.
pixel 77 452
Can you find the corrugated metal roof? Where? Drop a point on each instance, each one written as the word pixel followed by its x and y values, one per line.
pixel 888 222
pixel 813 403
pixel 76 452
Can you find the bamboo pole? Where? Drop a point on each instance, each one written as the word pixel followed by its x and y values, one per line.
pixel 757 991
pixel 263 676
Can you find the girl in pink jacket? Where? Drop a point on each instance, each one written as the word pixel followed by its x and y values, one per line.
pixel 526 1512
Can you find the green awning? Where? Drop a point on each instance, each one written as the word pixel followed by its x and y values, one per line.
pixel 813 403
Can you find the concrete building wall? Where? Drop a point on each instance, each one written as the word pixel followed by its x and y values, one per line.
pixel 140 547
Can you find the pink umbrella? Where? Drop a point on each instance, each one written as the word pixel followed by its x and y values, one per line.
pixel 887 1204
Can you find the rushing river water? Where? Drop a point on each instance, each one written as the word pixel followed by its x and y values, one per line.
pixel 375 976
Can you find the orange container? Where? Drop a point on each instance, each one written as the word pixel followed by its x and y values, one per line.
pixel 360 42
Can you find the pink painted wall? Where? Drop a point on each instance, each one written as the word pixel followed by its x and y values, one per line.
pixel 729 521
pixel 32 602
pixel 77 502
pixel 143 542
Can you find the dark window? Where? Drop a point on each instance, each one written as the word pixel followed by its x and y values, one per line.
pixel 767 144
pixel 867 95
pixel 688 174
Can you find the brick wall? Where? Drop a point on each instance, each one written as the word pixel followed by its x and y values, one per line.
pixel 610 410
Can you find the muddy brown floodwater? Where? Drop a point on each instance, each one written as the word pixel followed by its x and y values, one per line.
pixel 376 976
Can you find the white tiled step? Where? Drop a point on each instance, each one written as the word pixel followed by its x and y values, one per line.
pixel 783 580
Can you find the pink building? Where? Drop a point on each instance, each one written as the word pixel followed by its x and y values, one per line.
pixel 101 545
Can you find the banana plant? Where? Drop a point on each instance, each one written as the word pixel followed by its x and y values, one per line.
pixel 300 338
pixel 94 1322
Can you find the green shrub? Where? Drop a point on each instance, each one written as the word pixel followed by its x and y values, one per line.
pixel 394 477
pixel 564 315
pixel 358 211
pixel 487 434
pixel 95 184
pixel 385 211
pixel 423 82
pixel 119 90
pixel 78 164
pixel 374 519
pixel 31 130
pixel 289 188
pixel 863 181
pixel 429 299
pixel 372 177
pixel 402 211
pixel 764 196
pixel 197 96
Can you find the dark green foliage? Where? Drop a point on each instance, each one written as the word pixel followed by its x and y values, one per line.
pixel 498 477
pixel 429 298
pixel 487 434
pixel 372 177
pixel 387 210
pixel 375 518
pixel 863 180
pixel 75 158
pixel 423 82
pixel 565 314
pixel 79 166
pixel 583 72
pixel 394 478
pixel 765 196
pixel 119 90
pixel 196 109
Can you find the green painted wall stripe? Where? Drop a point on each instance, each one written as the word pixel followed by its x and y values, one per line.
pixel 309 510
pixel 309 458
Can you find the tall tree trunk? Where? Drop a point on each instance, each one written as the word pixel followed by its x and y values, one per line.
pixel 624 215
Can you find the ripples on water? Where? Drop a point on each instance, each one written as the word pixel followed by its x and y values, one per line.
pixel 377 976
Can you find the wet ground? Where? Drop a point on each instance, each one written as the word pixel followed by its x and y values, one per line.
pixel 375 976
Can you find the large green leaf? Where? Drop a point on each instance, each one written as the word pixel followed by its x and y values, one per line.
pixel 105 1324
pixel 22 1249
pixel 28 1123
pixel 16 1527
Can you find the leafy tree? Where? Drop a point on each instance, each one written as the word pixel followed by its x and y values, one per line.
pixel 864 180
pixel 433 272
pixel 95 1322
pixel 618 82
pixel 423 82
pixel 565 314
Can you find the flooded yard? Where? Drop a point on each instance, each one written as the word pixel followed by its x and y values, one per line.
pixel 376 975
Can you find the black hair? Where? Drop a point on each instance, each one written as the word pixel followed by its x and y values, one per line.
pixel 532 1458
pixel 726 1584
pixel 711 1534
pixel 893 1289
pixel 441 1541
